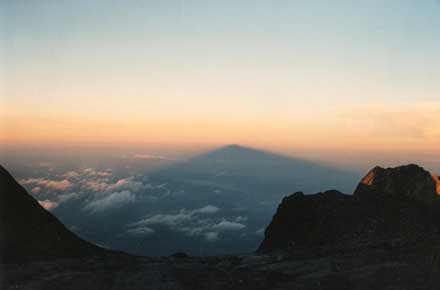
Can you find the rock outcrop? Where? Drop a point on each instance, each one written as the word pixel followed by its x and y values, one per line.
pixel 28 231
pixel 409 181
pixel 394 206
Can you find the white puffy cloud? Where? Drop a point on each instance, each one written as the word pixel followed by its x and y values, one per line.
pixel 121 184
pixel 97 185
pixel 103 173
pixel 47 204
pixel 149 157
pixel 209 209
pixel 71 174
pixel 196 222
pixel 225 225
pixel 240 219
pixel 260 232
pixel 113 200
pixel 48 183
pixel 106 194
pixel 94 172
pixel 88 172
pixel 75 229
pixel 162 185
pixel 211 236
pixel 36 189
pixel 67 196
pixel 126 183
pixel 140 231
pixel 174 219
pixel 166 219
pixel 59 199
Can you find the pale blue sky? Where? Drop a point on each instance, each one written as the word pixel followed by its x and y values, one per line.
pixel 381 41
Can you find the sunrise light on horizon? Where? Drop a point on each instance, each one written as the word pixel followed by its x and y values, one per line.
pixel 345 75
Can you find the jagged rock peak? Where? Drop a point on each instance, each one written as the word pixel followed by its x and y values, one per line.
pixel 411 181
pixel 389 203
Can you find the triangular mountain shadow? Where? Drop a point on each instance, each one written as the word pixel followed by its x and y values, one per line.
pixel 28 231
pixel 259 171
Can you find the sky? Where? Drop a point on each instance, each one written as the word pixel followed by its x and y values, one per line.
pixel 323 78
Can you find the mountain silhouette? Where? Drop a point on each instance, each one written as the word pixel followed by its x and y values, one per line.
pixel 28 231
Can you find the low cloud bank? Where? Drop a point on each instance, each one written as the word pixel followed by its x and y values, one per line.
pixel 48 183
pixel 47 204
pixel 113 200
pixel 197 222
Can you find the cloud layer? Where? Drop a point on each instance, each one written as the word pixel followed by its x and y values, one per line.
pixel 113 200
pixel 47 204
pixel 121 184
pixel 197 222
pixel 95 188
pixel 149 157
pixel 228 226
pixel 48 183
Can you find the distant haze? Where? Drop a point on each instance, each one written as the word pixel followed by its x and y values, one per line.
pixel 119 154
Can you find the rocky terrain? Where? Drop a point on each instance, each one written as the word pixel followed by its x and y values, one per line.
pixel 384 236
pixel 398 206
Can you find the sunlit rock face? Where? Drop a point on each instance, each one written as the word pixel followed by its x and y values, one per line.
pixel 410 181
pixel 437 182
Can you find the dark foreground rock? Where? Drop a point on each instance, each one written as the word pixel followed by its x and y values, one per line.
pixel 373 269
pixel 29 232
pixel 395 207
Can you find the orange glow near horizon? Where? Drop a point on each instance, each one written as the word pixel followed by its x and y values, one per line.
pixel 408 130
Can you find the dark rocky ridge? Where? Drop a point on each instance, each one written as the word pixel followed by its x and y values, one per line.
pixel 392 206
pixel 28 231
